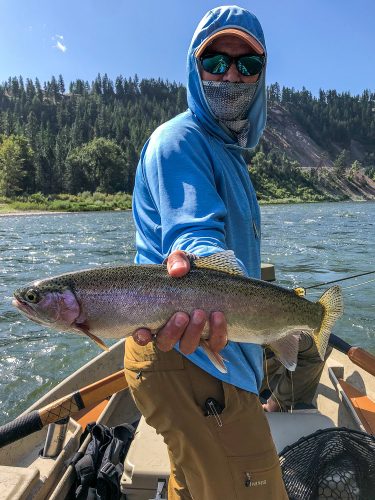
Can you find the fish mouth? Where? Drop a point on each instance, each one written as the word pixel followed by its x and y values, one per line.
pixel 28 311
pixel 23 306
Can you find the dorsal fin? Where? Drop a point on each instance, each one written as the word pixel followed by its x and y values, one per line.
pixel 225 262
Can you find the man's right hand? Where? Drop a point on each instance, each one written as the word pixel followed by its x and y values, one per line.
pixel 182 328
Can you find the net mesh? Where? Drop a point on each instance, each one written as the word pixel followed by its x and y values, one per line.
pixel 331 463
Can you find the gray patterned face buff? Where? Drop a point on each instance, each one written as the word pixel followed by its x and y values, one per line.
pixel 230 103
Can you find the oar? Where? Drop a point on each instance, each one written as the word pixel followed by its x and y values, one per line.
pixel 358 356
pixel 63 407
pixel 96 392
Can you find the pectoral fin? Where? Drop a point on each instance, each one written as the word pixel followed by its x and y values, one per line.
pixel 214 357
pixel 286 350
pixel 84 328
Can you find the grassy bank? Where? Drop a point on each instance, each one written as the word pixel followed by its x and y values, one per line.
pixel 283 184
pixel 76 203
pixel 83 202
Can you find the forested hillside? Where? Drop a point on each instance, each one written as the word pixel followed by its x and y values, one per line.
pixel 88 137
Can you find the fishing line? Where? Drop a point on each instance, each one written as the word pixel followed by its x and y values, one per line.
pixel 268 382
pixel 291 379
pixel 336 281
pixel 358 284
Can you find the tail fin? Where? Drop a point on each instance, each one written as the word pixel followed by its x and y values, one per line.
pixel 333 307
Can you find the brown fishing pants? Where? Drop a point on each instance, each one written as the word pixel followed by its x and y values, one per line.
pixel 225 456
pixel 299 386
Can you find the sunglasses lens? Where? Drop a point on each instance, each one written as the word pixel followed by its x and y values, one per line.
pixel 250 65
pixel 216 64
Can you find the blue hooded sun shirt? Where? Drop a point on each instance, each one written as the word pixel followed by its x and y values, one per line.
pixel 193 191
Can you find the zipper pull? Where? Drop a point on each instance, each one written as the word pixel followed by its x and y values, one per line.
pixel 248 479
pixel 256 230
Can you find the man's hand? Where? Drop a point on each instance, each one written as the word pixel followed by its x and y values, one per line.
pixel 271 406
pixel 181 327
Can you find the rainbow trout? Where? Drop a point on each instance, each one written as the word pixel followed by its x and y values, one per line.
pixel 113 302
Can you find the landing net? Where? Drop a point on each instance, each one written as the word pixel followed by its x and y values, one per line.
pixel 331 463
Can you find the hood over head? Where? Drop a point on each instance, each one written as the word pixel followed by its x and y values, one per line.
pixel 217 20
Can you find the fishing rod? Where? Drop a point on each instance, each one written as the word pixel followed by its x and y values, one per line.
pixel 301 290
pixel 94 393
pixel 64 407
pixel 336 281
pixel 357 355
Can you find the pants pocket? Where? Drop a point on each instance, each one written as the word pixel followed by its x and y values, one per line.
pixel 149 358
pixel 257 477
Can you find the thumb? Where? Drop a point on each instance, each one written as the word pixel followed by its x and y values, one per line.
pixel 178 264
pixel 142 336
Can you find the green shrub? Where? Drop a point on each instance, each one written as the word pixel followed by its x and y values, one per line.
pixel 37 198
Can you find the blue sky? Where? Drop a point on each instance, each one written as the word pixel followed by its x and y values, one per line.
pixel 327 44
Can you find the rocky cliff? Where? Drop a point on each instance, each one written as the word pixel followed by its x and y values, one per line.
pixel 285 135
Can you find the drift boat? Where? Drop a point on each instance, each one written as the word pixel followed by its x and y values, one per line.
pixel 37 465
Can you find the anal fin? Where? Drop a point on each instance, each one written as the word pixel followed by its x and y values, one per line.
pixel 286 350
pixel 214 357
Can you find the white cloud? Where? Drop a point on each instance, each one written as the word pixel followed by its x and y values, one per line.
pixel 60 46
pixel 59 43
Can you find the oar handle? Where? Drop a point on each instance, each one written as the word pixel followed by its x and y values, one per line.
pixel 363 359
pixel 20 427
pixel 339 344
pixel 358 356
pixel 63 407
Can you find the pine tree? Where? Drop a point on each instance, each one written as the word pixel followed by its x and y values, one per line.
pixel 12 165
pixel 61 85
pixel 341 161
pixel 126 112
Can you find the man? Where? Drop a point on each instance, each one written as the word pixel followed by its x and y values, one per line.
pixel 193 195
pixel 294 389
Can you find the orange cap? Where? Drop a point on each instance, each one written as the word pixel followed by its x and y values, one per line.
pixel 250 40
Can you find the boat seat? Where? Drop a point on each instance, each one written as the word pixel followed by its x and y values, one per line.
pixel 17 482
pixel 287 428
pixel 147 460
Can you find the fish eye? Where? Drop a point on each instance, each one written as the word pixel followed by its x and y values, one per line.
pixel 32 296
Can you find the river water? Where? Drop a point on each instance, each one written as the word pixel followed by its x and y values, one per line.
pixel 308 243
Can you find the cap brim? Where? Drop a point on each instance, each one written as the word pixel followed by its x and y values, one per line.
pixel 250 40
